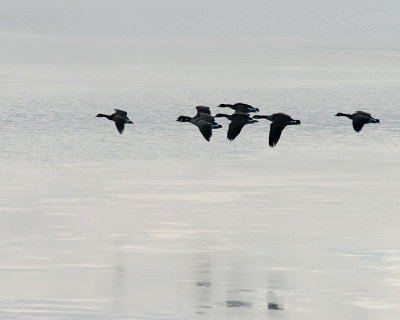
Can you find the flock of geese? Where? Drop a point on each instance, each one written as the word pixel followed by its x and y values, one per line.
pixel 241 117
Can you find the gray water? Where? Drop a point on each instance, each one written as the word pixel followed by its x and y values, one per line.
pixel 160 224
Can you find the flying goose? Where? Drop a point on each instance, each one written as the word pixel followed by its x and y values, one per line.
pixel 240 107
pixel 238 121
pixel 203 120
pixel 279 122
pixel 359 119
pixel 120 117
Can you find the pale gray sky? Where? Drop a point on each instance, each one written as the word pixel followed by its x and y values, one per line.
pixel 192 32
pixel 356 19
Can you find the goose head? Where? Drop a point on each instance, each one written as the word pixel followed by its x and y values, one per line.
pixel 183 119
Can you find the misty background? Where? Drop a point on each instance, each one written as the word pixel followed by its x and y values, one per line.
pixel 50 44
pixel 151 31
pixel 355 20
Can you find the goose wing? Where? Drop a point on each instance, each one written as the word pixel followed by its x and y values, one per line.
pixel 275 132
pixel 119 123
pixel 206 117
pixel 241 113
pixel 364 113
pixel 203 109
pixel 205 129
pixel 243 107
pixel 121 112
pixel 359 120
pixel 235 127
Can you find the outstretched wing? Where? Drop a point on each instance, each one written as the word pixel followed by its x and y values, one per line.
pixel 275 132
pixel 235 127
pixel 364 113
pixel 119 123
pixel 243 107
pixel 205 129
pixel 203 109
pixel 121 112
pixel 206 117
pixel 359 120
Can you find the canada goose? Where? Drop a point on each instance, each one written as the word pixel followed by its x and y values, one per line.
pixel 359 119
pixel 240 107
pixel 279 122
pixel 238 121
pixel 203 120
pixel 120 117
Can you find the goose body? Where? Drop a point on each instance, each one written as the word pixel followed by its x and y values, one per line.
pixel 359 119
pixel 120 118
pixel 238 121
pixel 203 120
pixel 279 122
pixel 240 107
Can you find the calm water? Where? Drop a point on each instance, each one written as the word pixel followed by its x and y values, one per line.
pixel 160 224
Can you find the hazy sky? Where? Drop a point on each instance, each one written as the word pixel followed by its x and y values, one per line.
pixel 195 32
pixel 358 19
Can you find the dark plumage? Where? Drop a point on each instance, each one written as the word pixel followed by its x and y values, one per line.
pixel 120 117
pixel 238 121
pixel 203 120
pixel 279 122
pixel 240 107
pixel 203 109
pixel 359 119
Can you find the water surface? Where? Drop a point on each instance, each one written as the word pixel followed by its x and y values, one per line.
pixel 160 224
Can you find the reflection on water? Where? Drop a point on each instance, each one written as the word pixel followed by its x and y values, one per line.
pixel 172 227
pixel 236 303
pixel 307 246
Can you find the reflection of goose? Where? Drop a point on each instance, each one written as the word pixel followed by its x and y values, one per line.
pixel 359 119
pixel 279 122
pixel 120 117
pixel 242 107
pixel 203 120
pixel 274 306
pixel 238 121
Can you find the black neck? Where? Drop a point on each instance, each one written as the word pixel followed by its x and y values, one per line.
pixel 219 115
pixel 350 116
pixel 100 115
